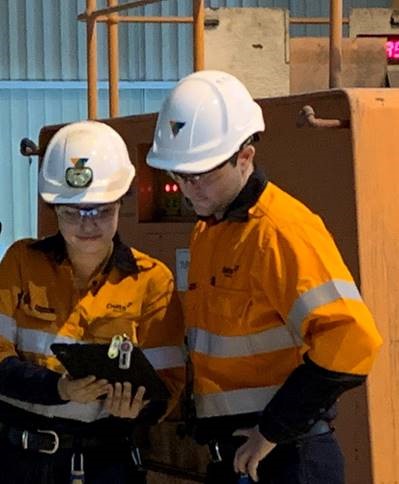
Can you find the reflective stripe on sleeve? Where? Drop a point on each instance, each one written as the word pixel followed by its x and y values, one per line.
pixel 34 341
pixel 211 344
pixel 233 402
pixel 319 296
pixel 165 357
pixel 85 412
pixel 8 328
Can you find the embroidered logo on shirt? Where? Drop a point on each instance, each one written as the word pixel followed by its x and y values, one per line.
pixel 119 308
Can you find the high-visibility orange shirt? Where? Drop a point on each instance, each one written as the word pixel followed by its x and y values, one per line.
pixel 264 290
pixel 39 305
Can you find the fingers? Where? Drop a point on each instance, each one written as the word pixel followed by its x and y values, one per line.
pixel 252 467
pixel 119 401
pixel 82 390
pixel 246 463
pixel 242 433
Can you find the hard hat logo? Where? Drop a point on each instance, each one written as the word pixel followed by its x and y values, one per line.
pixel 79 162
pixel 176 126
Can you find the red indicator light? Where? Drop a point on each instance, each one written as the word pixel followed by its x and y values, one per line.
pixel 175 188
pixel 392 49
pixel 167 188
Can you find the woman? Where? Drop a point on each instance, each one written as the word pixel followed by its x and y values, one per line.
pixel 80 285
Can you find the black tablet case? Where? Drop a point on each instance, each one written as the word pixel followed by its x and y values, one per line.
pixel 81 360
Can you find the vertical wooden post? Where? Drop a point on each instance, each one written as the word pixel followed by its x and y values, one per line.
pixel 91 60
pixel 336 16
pixel 113 61
pixel 198 34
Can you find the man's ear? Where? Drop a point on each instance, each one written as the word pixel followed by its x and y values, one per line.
pixel 245 158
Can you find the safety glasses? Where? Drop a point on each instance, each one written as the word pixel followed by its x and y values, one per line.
pixel 207 175
pixel 75 214
pixel 198 177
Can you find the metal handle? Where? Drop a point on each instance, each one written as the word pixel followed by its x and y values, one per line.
pixel 28 147
pixel 307 116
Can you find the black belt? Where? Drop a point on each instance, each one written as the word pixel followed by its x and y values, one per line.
pixel 49 441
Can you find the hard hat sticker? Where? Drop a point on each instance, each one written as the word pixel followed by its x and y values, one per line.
pixel 176 126
pixel 79 162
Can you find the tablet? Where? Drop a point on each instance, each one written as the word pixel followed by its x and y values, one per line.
pixel 81 360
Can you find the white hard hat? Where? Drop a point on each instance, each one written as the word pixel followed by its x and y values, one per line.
pixel 203 122
pixel 85 162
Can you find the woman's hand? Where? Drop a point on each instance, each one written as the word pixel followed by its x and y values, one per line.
pixel 121 403
pixel 82 390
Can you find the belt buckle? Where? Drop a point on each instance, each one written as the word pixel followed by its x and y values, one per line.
pixel 25 441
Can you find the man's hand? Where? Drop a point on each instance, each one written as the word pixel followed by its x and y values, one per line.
pixel 255 449
pixel 121 403
pixel 82 390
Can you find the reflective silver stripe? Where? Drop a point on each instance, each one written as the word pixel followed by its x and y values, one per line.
pixel 8 327
pixel 34 341
pixel 212 344
pixel 244 400
pixel 85 412
pixel 319 296
pixel 165 357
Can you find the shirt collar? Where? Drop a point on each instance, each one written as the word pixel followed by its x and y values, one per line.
pixel 122 257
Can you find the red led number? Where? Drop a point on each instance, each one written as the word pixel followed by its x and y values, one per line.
pixel 392 49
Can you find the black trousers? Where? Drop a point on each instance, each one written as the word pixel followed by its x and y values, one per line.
pixel 102 465
pixel 312 460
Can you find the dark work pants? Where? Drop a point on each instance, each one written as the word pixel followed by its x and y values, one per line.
pixel 102 466
pixel 312 460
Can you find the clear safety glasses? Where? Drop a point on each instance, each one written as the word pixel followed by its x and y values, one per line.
pixel 198 177
pixel 75 214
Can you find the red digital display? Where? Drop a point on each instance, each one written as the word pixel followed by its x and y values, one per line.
pixel 392 48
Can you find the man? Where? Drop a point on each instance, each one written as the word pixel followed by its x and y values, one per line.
pixel 81 285
pixel 276 327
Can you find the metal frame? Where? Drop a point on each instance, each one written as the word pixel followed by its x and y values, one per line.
pixel 336 17
pixel 111 16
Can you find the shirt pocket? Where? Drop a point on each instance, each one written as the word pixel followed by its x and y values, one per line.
pixel 35 303
pixel 227 308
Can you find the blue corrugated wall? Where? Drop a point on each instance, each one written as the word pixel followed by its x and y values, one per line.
pixel 41 43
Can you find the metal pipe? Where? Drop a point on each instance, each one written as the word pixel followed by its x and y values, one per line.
pixel 336 16
pixel 133 19
pixel 113 61
pixel 314 20
pixel 189 20
pixel 91 28
pixel 118 8
pixel 307 116
pixel 199 34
